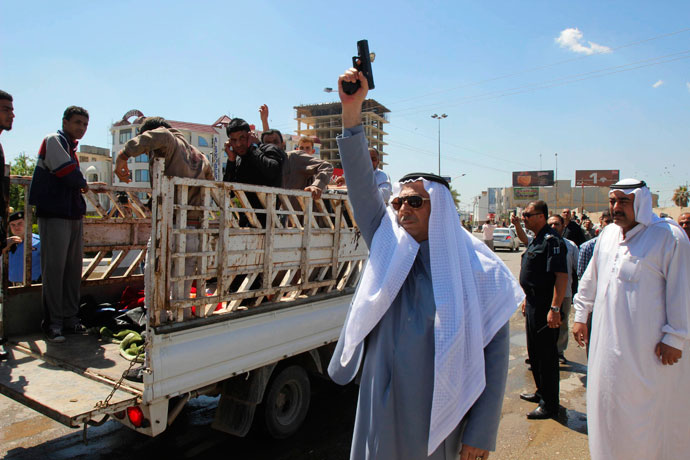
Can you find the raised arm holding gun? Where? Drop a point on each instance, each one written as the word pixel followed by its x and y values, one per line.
pixel 430 388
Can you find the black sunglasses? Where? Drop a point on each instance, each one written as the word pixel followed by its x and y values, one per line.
pixel 414 201
pixel 530 214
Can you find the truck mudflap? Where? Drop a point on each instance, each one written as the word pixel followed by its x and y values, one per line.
pixel 68 382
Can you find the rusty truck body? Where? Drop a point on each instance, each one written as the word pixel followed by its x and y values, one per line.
pixel 271 298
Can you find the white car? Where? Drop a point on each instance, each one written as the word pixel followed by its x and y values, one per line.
pixel 529 233
pixel 506 238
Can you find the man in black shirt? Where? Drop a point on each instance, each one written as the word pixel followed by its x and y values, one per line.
pixel 6 119
pixel 572 230
pixel 543 277
pixel 251 163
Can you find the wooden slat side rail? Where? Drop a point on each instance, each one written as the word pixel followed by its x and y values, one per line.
pixel 291 246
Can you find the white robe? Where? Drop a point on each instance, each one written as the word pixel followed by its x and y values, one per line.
pixel 639 290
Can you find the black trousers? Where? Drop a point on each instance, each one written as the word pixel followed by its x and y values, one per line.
pixel 542 351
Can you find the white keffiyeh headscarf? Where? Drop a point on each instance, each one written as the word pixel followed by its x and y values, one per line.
pixel 474 292
pixel 643 200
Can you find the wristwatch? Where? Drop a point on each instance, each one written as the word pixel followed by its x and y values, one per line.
pixel 555 309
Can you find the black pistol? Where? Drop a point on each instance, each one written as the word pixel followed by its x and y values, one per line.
pixel 361 62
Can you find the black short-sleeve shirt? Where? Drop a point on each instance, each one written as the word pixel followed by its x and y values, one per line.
pixel 545 256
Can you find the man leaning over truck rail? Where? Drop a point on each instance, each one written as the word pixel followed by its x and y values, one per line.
pixel 56 191
pixel 433 306
pixel 158 138
pixel 182 159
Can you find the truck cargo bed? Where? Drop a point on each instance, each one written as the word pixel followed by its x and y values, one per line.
pixel 66 381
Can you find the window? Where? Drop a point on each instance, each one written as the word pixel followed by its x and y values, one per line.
pixel 143 158
pixel 113 137
pixel 125 135
pixel 203 142
pixel 141 175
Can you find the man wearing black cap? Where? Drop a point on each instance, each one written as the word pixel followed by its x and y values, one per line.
pixel 15 247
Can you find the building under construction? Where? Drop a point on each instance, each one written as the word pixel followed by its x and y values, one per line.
pixel 324 121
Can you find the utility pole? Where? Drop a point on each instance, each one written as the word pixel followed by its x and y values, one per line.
pixel 556 181
pixel 439 117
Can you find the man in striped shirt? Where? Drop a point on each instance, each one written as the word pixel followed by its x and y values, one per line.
pixel 56 191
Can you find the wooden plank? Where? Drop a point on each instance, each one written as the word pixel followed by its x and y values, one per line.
pixel 336 238
pixel 92 266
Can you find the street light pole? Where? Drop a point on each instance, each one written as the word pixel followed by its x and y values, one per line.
pixel 439 117
pixel 556 181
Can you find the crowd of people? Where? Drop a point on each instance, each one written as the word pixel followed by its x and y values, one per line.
pixel 427 331
pixel 58 185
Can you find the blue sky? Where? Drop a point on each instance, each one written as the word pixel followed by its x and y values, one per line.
pixel 613 93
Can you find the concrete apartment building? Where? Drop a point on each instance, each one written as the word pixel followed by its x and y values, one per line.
pixel 323 121
pixel 209 139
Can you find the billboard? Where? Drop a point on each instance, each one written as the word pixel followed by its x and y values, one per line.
pixel 526 193
pixel 597 177
pixel 493 198
pixel 532 178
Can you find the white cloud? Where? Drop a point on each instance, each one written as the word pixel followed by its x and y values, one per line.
pixel 657 84
pixel 572 39
pixel 688 85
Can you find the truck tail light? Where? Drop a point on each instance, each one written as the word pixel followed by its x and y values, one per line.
pixel 136 416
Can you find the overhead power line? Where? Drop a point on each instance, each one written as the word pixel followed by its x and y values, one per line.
pixel 536 68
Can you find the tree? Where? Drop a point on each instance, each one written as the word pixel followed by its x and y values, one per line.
pixel 21 166
pixel 456 197
pixel 681 196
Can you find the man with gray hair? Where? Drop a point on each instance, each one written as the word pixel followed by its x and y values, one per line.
pixel 637 287
pixel 428 324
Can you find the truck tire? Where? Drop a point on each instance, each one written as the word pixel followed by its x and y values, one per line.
pixel 286 402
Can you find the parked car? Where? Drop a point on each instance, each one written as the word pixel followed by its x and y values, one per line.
pixel 529 233
pixel 506 238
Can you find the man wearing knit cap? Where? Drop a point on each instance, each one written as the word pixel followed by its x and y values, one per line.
pixel 15 248
pixel 637 286
pixel 428 324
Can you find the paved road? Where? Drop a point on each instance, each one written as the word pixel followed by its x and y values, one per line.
pixel 25 434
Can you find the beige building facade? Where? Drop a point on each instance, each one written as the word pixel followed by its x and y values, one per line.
pixel 96 165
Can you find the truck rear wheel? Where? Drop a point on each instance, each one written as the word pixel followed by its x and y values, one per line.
pixel 287 401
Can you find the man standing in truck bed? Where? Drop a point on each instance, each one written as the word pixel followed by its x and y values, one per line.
pixel 56 190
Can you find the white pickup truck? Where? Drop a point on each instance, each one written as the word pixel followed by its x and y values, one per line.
pixel 271 300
